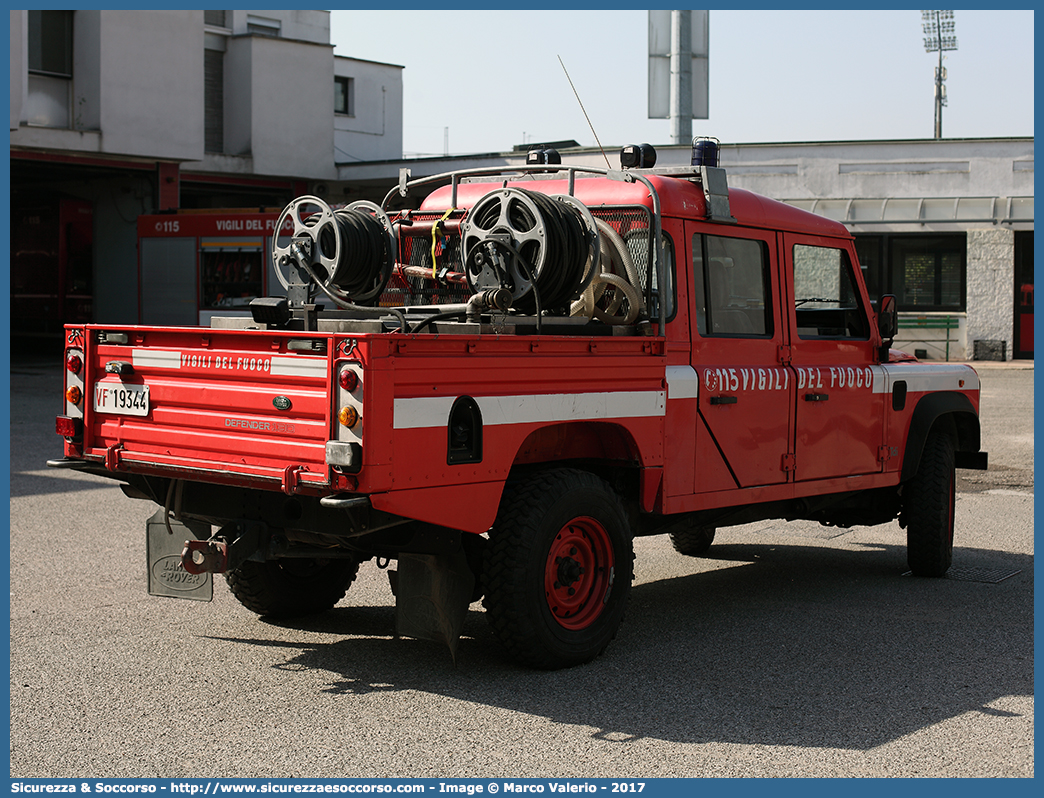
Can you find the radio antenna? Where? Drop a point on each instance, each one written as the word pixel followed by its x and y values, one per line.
pixel 585 112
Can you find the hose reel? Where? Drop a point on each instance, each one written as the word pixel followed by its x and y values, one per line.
pixel 348 254
pixel 534 252
pixel 540 248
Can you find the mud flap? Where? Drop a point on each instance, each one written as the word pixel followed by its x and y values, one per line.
pixel 432 595
pixel 166 575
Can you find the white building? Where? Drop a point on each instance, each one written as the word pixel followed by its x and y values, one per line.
pixel 945 225
pixel 120 113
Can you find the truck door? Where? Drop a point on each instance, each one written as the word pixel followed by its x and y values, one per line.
pixel 840 389
pixel 745 401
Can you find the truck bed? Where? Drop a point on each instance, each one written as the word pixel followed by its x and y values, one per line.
pixel 257 408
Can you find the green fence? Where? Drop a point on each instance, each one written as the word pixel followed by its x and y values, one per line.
pixel 946 323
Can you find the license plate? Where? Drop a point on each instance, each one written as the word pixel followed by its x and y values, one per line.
pixel 121 399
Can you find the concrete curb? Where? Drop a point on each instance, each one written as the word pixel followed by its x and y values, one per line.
pixel 979 365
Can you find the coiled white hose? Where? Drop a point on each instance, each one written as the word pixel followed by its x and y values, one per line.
pixel 613 257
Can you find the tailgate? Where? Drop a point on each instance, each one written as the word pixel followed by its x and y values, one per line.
pixel 251 405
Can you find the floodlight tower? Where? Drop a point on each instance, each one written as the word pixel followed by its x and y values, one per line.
pixel 938 27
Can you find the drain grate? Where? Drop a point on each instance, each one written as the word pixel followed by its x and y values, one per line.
pixel 988 575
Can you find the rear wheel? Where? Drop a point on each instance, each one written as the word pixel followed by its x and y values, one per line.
pixel 928 507
pixel 692 541
pixel 291 587
pixel 558 568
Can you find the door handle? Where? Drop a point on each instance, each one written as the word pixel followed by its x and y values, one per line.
pixel 723 400
pixel 816 397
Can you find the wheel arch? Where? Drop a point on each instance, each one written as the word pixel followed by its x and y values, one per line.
pixel 578 440
pixel 607 449
pixel 945 407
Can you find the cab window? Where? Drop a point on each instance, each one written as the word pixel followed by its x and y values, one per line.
pixel 826 302
pixel 731 277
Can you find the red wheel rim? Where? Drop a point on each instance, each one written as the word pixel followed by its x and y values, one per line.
pixel 579 573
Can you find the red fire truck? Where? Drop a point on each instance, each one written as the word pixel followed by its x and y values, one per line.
pixel 501 389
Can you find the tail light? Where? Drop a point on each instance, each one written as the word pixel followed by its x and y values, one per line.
pixel 70 424
pixel 68 427
pixel 350 400
pixel 348 379
pixel 348 416
pixel 345 453
pixel 74 385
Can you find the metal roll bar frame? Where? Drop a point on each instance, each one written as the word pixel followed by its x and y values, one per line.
pixel 454 177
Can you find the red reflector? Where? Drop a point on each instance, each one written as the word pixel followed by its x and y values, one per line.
pixel 73 363
pixel 348 379
pixel 68 427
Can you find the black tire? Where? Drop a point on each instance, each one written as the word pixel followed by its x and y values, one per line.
pixel 558 531
pixel 291 587
pixel 692 541
pixel 928 507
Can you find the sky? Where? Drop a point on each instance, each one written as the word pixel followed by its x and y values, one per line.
pixel 493 78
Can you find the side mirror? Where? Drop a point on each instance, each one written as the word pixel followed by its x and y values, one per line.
pixel 887 319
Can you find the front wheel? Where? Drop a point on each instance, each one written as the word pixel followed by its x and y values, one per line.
pixel 928 508
pixel 291 587
pixel 558 568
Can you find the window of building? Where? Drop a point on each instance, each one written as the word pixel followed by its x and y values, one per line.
pixel 344 95
pixel 868 250
pixel 732 282
pixel 50 43
pixel 214 100
pixel 215 19
pixel 928 273
pixel 48 100
pixel 825 299
pixel 925 272
pixel 263 26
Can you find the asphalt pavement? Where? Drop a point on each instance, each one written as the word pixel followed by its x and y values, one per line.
pixel 791 650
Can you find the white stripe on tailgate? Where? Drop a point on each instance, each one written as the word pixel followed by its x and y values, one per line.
pixel 299 366
pixel 496 410
pixel 156 358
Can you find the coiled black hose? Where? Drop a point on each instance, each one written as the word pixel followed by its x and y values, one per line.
pixel 365 265
pixel 557 272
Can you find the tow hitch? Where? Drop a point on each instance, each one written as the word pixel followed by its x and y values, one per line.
pixel 205 556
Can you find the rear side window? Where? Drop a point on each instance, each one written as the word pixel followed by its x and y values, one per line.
pixel 825 299
pixel 731 276
pixel 638 248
